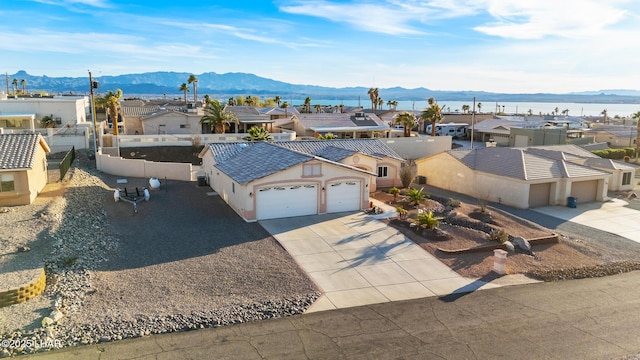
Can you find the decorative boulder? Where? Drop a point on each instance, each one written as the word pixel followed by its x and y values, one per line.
pixel 522 243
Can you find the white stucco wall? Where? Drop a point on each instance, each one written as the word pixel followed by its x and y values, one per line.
pixel 418 147
pixel 238 196
pixel 71 109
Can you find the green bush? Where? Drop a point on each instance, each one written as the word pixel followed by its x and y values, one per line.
pixel 615 154
pixel 416 196
pixel 427 220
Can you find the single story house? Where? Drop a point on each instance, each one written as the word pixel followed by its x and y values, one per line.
pixel 356 125
pixel 514 176
pixel 261 180
pixel 23 168
pixel 372 155
pixel 248 117
pixel 622 174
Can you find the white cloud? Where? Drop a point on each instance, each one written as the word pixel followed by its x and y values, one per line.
pixel 537 19
pixel 71 3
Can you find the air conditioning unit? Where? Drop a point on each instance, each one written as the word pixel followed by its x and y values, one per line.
pixel 58 120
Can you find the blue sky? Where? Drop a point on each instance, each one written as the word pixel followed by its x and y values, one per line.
pixel 511 46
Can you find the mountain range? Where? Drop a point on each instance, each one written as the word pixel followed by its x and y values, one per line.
pixel 156 84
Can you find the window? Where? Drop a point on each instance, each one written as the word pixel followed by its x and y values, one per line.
pixel 233 188
pixel 383 171
pixel 312 170
pixel 185 126
pixel 626 178
pixel 6 183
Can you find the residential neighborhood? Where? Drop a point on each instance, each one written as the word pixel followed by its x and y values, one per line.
pixel 323 207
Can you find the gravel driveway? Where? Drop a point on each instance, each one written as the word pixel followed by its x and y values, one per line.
pixel 185 260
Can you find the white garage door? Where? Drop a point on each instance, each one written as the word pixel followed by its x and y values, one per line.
pixel 286 201
pixel 343 196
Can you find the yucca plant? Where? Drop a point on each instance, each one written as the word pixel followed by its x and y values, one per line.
pixel 395 192
pixel 402 212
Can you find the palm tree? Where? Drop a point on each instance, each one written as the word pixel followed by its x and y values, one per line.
pixel 380 102
pixel 341 108
pixel 479 107
pixel 408 122
pixel 194 80
pixel 530 112
pixel 232 101
pixel 604 112
pixel 14 82
pixel 278 100
pixel 257 133
pixel 555 110
pixel 432 114
pixel 318 107
pixel 185 88
pixel 427 220
pixel 285 106
pixel 465 108
pixel 565 112
pixel 307 105
pixel 207 98
pixel 636 116
pixel 23 83
pixel 112 104
pixel 217 118
pixel 372 98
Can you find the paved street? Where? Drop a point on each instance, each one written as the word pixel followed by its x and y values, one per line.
pixel 579 319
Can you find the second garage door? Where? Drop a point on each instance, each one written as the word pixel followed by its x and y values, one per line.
pixel 344 196
pixel 286 201
pixel 585 191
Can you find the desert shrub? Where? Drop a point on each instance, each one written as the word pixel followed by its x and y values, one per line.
pixel 406 175
pixel 427 220
pixel 70 260
pixel 453 202
pixel 416 196
pixel 483 204
pixel 499 236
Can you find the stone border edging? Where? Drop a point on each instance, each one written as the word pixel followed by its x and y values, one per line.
pixel 551 239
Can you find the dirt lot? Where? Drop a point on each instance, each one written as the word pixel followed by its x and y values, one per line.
pixel 549 261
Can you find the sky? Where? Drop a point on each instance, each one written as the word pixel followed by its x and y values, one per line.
pixel 506 46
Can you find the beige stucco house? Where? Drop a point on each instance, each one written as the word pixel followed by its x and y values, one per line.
pixel 23 168
pixel 262 180
pixel 515 176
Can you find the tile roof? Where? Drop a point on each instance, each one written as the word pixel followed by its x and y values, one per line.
pixel 341 120
pixel 245 162
pixel 334 153
pixel 371 147
pixel 519 164
pixel 17 151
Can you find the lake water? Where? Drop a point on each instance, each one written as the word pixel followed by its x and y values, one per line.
pixel 575 109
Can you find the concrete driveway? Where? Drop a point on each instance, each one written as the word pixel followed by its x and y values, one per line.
pixel 357 260
pixel 612 216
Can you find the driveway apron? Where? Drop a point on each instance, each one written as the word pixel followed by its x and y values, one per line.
pixel 612 216
pixel 357 260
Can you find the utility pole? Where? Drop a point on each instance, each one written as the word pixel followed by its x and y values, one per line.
pixel 7 81
pixel 473 118
pixel 93 85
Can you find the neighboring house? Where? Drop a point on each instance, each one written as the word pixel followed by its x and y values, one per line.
pixel 23 168
pixel 28 111
pixel 343 125
pixel 622 174
pixel 248 117
pixel 172 122
pixel 135 111
pixel 371 155
pixel 515 176
pixel 615 135
pixel 262 180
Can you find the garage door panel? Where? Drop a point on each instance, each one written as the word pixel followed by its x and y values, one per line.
pixel 539 194
pixel 344 196
pixel 286 201
pixel 585 191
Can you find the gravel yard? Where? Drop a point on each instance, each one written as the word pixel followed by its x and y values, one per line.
pixel 185 260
